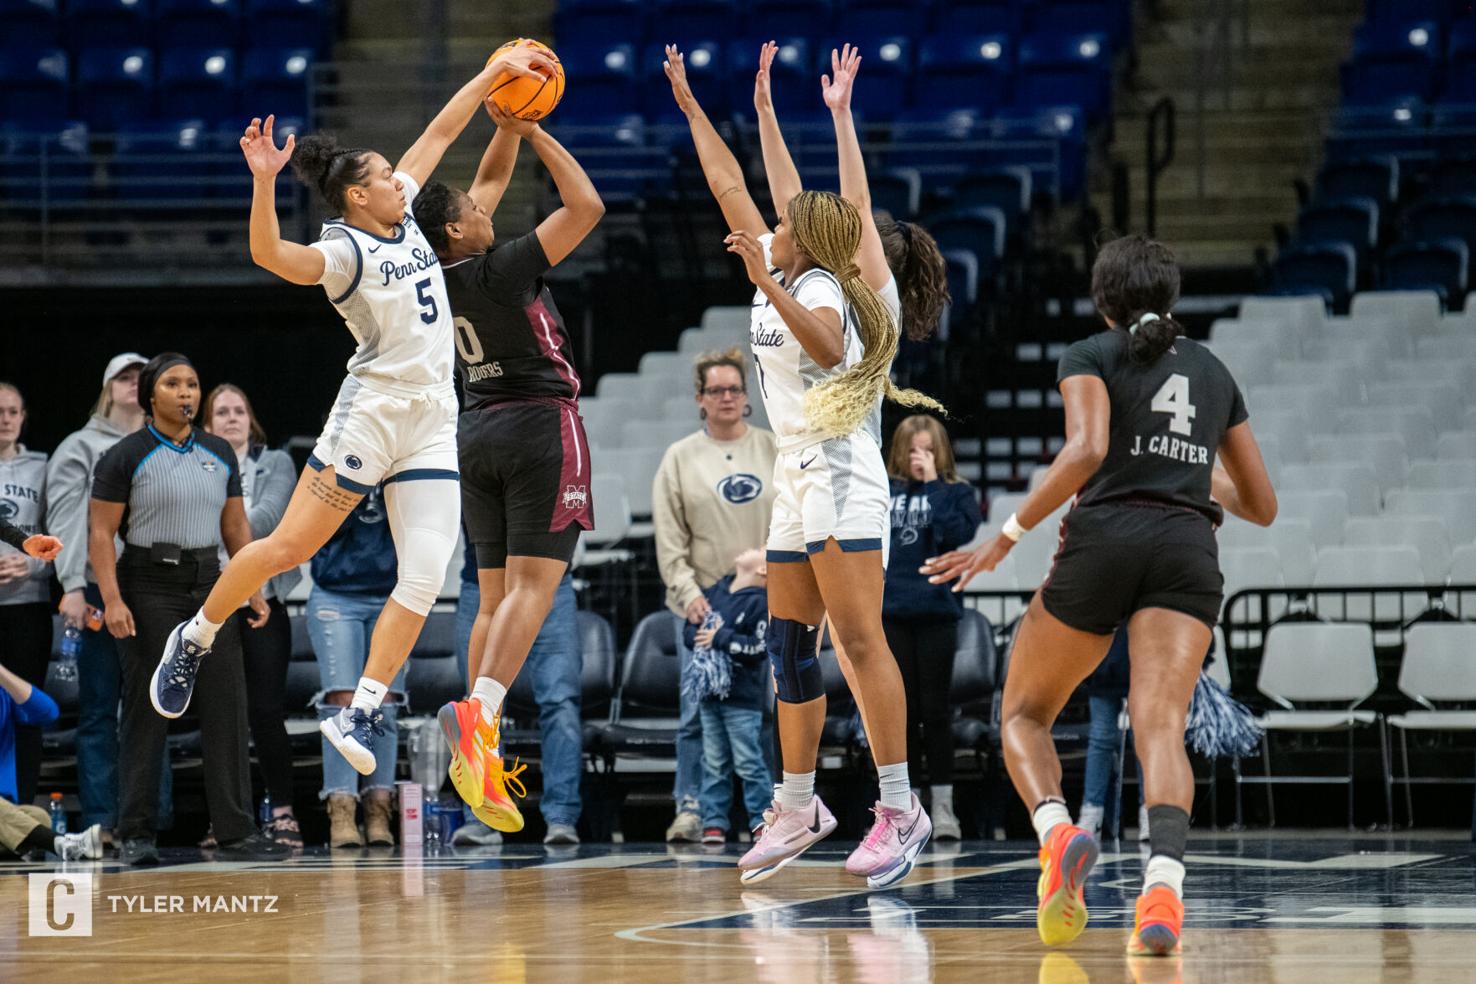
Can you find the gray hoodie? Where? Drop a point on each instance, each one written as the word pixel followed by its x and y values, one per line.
pixel 268 479
pixel 23 504
pixel 69 495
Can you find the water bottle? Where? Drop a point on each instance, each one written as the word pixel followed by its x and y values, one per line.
pixel 58 815
pixel 431 824
pixel 71 645
pixel 265 813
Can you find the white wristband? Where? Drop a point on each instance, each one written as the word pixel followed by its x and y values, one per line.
pixel 1012 529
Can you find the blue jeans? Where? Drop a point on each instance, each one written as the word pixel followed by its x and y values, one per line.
pixel 99 678
pixel 1103 742
pixel 687 789
pixel 556 663
pixel 340 625
pixel 732 742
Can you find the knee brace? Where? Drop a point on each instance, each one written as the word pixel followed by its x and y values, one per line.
pixel 795 657
pixel 424 516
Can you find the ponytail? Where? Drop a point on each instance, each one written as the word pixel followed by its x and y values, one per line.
pixel 827 228
pixel 921 272
pixel 1151 336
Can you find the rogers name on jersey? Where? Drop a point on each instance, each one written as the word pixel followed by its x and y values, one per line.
pixel 424 260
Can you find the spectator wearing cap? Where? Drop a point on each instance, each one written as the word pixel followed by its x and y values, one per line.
pixel 175 494
pixel 25 581
pixel 68 492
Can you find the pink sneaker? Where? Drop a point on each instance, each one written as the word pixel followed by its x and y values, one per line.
pixel 887 854
pixel 785 835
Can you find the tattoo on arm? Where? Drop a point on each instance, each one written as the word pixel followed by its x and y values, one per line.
pixel 732 190
pixel 331 495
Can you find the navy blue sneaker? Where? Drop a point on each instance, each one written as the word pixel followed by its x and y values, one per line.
pixel 352 732
pixel 174 677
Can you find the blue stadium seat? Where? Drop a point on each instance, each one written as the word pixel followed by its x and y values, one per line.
pixel 765 20
pixel 197 23
pixel 687 21
pixel 962 71
pixel 1051 142
pixel 1376 178
pixel 897 191
pixel 1061 69
pixel 163 167
pixel 1453 130
pixel 198 84
pixel 1392 59
pixel 291 23
pixel 33 87
pixel 1460 67
pixel 1343 220
pixel 1328 270
pixel 1397 126
pixel 606 72
pixel 69 166
pixel 1446 217
pixel 1440 265
pixel 1454 176
pixel 614 152
pixel 117 85
pixel 31 24
pixel 795 84
pixel 706 72
pixel 880 18
pixel 963 288
pixel 1401 11
pixel 887 71
pixel 111 23
pixel 1110 17
pixel 600 21
pixel 1008 189
pixel 980 231
pixel 978 17
pixel 275 80
pixel 936 144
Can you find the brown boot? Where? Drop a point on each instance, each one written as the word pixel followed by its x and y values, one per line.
pixel 342 830
pixel 377 818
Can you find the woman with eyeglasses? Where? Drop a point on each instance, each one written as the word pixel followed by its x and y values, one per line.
pixel 711 501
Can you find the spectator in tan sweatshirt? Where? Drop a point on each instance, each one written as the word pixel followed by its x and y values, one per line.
pixel 711 500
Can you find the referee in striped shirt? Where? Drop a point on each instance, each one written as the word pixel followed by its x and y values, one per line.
pixel 175 492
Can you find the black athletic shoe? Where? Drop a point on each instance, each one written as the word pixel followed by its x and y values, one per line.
pixel 139 851
pixel 256 847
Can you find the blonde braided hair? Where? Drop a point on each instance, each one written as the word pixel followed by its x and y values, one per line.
pixel 827 228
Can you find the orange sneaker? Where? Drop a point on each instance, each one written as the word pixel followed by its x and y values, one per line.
pixel 1160 923
pixel 1065 861
pixel 471 738
pixel 497 809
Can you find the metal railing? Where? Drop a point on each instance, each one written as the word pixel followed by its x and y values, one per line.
pixel 1162 132
pixel 1221 27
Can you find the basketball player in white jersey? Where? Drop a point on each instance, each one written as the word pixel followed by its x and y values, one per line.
pixel 824 333
pixel 395 417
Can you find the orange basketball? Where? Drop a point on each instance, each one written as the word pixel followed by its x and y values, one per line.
pixel 529 99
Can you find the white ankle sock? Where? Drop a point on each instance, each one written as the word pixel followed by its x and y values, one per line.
pixel 490 694
pixel 896 788
pixel 369 695
pixel 797 791
pixel 943 798
pixel 1046 816
pixel 1163 870
pixel 200 631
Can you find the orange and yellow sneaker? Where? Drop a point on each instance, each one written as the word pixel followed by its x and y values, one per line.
pixel 497 809
pixel 1160 923
pixel 471 739
pixel 1065 861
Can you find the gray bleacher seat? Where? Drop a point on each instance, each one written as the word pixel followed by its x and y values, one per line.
pixel 666 365
pixel 1460 373
pixel 637 467
pixel 1452 505
pixel 1413 310
pixel 1274 334
pixel 1443 400
pixel 734 319
pixel 1342 375
pixel 622 386
pixel 1414 424
pixel 1357 480
pixel 1384 453
pixel 1463 571
pixel 612 519
pixel 1310 402
pixel 1299 313
pixel 1426 534
pixel 1446 473
pixel 655 433
pixel 1251 567
pixel 1326 511
pixel 1288 427
pixel 1459 444
pixel 1368 567
pixel 1289 537
pixel 604 419
pixel 1251 361
pixel 1451 348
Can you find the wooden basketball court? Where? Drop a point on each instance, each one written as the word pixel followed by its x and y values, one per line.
pixel 1283 910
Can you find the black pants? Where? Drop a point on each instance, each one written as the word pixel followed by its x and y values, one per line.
pixel 161 597
pixel 924 651
pixel 267 652
pixel 25 648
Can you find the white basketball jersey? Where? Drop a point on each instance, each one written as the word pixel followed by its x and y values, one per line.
pixel 396 307
pixel 786 371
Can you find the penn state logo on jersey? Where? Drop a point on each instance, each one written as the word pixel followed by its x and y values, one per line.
pixel 8 509
pixel 576 496
pixel 740 488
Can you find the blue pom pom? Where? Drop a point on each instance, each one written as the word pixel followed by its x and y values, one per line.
pixel 1219 725
pixel 710 674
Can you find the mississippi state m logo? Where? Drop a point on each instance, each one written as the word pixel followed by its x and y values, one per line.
pixel 576 496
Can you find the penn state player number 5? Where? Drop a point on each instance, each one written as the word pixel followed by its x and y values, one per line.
pixel 429 311
pixel 1173 398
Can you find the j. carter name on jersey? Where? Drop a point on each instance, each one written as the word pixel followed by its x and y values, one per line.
pixel 1172 447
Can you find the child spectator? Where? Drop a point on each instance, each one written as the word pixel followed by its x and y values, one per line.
pixel 729 673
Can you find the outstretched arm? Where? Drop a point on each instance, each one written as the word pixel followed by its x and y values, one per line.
pixel 494 174
pixel 836 88
pixel 423 156
pixel 719 166
pixel 291 261
pixel 581 209
pixel 784 179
